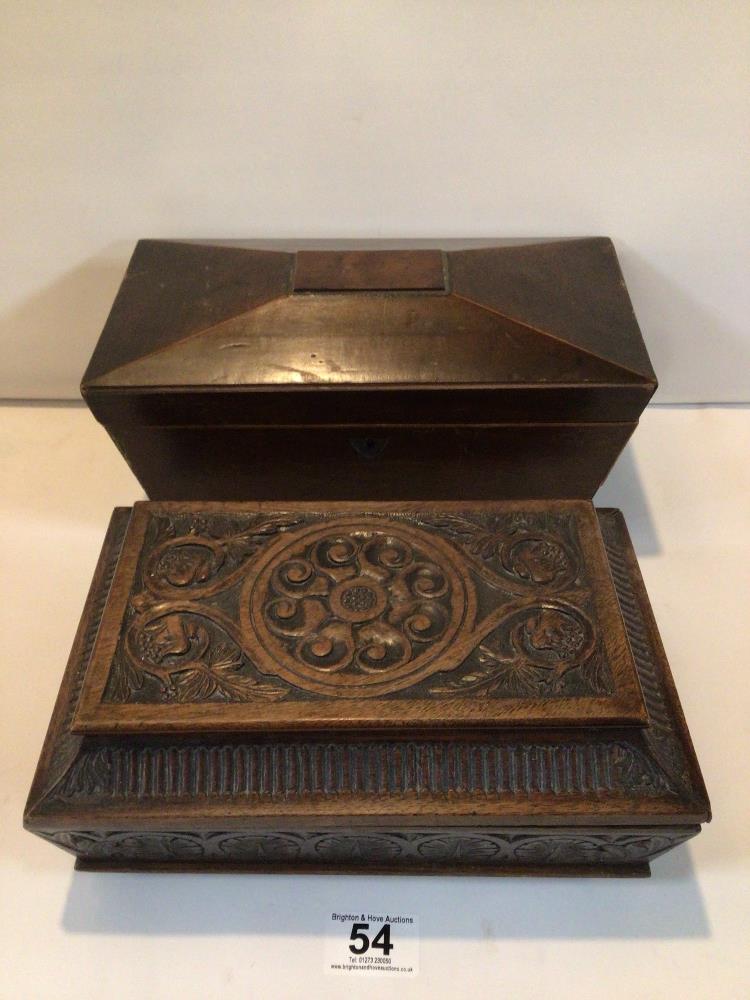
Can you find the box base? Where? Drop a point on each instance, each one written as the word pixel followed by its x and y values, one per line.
pixel 640 870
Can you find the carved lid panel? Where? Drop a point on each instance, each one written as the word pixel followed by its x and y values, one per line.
pixel 449 615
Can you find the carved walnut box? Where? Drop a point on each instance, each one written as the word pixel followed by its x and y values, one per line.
pixel 485 369
pixel 390 687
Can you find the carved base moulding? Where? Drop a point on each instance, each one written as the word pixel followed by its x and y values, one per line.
pixel 401 687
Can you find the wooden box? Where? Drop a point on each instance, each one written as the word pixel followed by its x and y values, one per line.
pixel 370 620
pixel 442 687
pixel 484 369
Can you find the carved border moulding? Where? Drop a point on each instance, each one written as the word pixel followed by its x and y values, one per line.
pixel 488 851
pixel 576 800
pixel 251 616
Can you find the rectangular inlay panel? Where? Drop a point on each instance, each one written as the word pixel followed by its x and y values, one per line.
pixel 303 616
pixel 369 270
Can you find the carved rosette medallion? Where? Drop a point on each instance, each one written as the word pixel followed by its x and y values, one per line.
pixel 357 608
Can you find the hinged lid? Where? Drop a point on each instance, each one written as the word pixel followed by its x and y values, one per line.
pixel 229 617
pixel 292 333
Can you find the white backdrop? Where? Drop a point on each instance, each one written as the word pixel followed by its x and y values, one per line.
pixel 379 118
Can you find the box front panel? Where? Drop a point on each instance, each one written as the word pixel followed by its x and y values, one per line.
pixel 498 461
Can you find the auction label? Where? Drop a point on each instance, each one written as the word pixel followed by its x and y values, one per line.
pixel 378 944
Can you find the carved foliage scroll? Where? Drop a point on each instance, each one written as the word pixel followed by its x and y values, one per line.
pixel 238 608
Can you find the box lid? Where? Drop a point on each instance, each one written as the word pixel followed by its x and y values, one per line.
pixel 324 332
pixel 254 616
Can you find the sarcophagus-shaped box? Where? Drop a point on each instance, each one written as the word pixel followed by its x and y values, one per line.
pixel 228 372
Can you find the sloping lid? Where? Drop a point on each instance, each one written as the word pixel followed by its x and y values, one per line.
pixel 550 314
pixel 230 617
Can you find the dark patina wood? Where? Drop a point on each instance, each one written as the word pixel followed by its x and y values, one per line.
pixel 514 369
pixel 575 800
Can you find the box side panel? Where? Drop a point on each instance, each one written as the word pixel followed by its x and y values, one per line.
pixel 60 745
pixel 665 711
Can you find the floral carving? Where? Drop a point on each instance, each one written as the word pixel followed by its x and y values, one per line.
pixel 256 847
pixel 532 652
pixel 367 848
pixel 270 606
pixel 469 848
pixel 362 607
pixel 187 564
pixel 193 555
pixel 453 847
pixel 521 549
pixel 590 848
pixel 192 651
pixel 179 652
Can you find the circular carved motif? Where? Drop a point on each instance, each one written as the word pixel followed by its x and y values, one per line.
pixel 357 608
